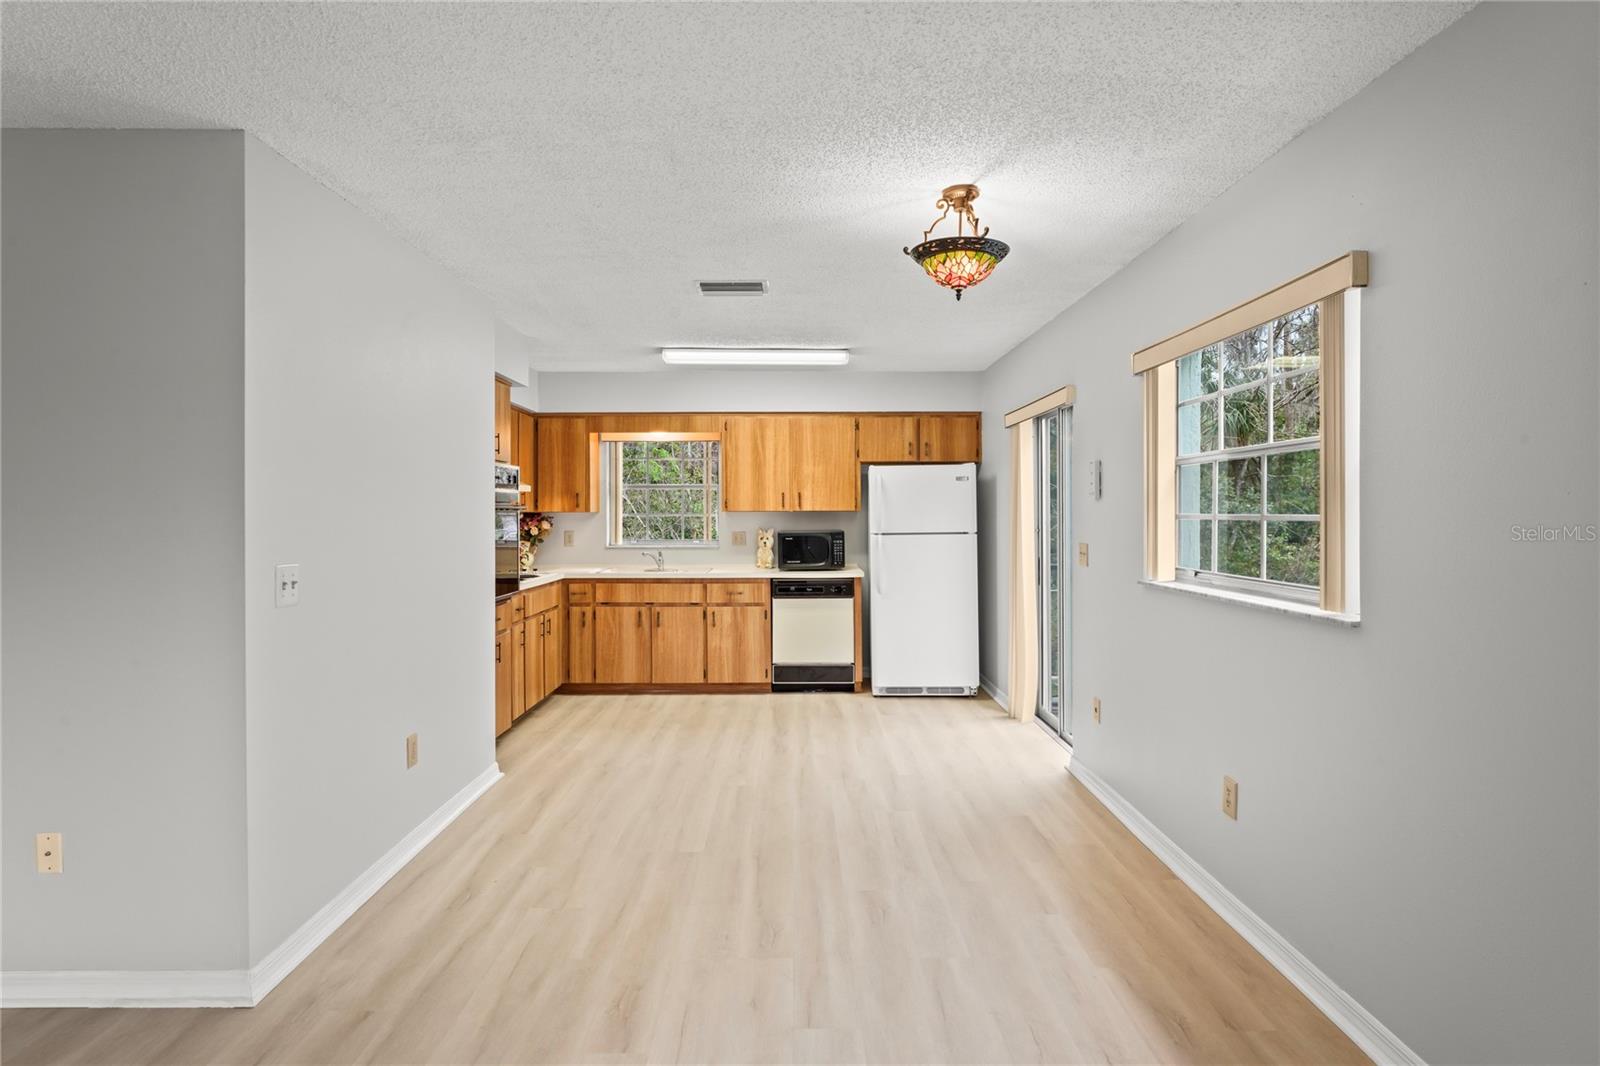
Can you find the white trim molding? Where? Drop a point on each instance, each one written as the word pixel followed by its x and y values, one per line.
pixel 234 988
pixel 278 963
pixel 995 692
pixel 1356 1022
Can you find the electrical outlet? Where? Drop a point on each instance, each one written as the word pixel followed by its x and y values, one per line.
pixel 1096 703
pixel 286 579
pixel 1230 798
pixel 47 852
pixel 566 538
pixel 411 751
pixel 1083 553
pixel 739 538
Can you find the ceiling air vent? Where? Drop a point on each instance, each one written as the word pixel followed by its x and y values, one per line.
pixel 732 288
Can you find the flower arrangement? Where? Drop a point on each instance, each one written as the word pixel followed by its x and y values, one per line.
pixel 535 527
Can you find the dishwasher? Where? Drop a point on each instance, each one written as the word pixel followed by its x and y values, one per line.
pixel 813 635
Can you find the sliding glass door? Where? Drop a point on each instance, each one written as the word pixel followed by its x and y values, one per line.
pixel 1053 435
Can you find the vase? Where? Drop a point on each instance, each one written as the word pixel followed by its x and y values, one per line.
pixel 529 552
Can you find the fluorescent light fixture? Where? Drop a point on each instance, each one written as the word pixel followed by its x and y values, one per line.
pixel 755 356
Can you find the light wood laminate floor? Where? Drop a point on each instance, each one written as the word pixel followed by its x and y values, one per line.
pixel 796 878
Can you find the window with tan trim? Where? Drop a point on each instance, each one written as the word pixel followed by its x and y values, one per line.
pixel 1248 442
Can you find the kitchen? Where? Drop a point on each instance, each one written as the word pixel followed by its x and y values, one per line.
pixel 781 602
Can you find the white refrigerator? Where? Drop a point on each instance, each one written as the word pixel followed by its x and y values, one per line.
pixel 922 524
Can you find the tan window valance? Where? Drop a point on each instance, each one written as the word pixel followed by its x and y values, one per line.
pixel 1062 397
pixel 1346 272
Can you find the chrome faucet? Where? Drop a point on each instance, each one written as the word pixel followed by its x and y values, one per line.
pixel 656 558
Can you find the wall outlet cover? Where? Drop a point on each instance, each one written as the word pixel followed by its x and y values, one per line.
pixel 566 538
pixel 286 585
pixel 1083 553
pixel 740 538
pixel 1097 710
pixel 47 852
pixel 1230 798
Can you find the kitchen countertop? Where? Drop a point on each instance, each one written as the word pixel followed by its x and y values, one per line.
pixel 694 573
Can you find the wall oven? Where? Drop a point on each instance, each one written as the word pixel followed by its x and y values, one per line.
pixel 507 527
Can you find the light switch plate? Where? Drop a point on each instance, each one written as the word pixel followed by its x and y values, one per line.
pixel 566 538
pixel 1083 553
pixel 47 852
pixel 286 585
pixel 1097 710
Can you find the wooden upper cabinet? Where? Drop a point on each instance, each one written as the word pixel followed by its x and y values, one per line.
pixel 567 465
pixel 755 462
pixel 525 446
pixel 580 645
pixel 502 421
pixel 953 438
pixel 888 439
pixel 622 645
pixel 738 646
pixel 824 474
pixel 678 645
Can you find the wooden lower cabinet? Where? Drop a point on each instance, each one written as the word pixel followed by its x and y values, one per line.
pixel 521 683
pixel 553 673
pixel 530 690
pixel 738 645
pixel 580 645
pixel 504 699
pixel 678 645
pixel 622 644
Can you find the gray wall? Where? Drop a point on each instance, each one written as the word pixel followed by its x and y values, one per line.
pixel 368 420
pixel 1418 796
pixel 123 549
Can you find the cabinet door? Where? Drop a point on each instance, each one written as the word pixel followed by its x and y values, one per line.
pixel 678 645
pixel 566 466
pixel 738 646
pixel 524 439
pixel 887 438
pixel 553 675
pixel 502 421
pixel 527 687
pixel 622 645
pixel 824 473
pixel 580 645
pixel 503 658
pixel 755 463
pixel 950 439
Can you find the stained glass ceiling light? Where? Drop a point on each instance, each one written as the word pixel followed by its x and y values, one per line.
pixel 964 260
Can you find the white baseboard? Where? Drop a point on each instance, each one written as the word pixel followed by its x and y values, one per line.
pixel 125 988
pixel 233 988
pixel 995 692
pixel 1369 1034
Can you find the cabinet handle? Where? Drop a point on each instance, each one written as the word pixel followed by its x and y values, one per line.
pixel 911 449
pixel 638 619
pixel 497 652
pixel 575 500
pixel 783 500
pixel 800 500
pixel 713 619
pixel 925 448
pixel 658 619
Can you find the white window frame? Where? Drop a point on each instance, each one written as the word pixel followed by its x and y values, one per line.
pixel 1335 287
pixel 612 489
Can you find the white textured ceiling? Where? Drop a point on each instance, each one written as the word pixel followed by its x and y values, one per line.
pixel 584 164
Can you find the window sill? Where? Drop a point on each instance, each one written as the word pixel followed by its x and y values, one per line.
pixel 1301 610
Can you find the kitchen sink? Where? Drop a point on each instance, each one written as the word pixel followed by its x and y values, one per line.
pixel 647 570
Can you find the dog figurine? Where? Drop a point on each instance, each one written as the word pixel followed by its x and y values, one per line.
pixel 764 538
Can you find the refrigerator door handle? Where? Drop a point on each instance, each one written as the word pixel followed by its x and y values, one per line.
pixel 877 560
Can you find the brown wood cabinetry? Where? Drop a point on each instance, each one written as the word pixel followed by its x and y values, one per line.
pixel 678 645
pixel 524 670
pixel 888 439
pixel 738 645
pixel 755 457
pixel 580 645
pixel 950 438
pixel 622 644
pixel 552 652
pixel 525 449
pixel 567 466
pixel 502 421
pixel 504 699
pixel 790 463
pixel 926 438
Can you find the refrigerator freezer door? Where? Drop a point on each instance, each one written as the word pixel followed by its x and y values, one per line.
pixel 925 498
pixel 924 610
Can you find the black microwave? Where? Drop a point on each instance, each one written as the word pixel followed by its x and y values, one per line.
pixel 811 549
